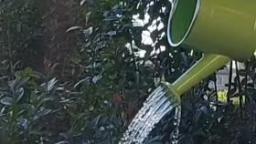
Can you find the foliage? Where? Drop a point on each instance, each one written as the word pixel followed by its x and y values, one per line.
pixel 118 69
pixel 208 120
pixel 20 33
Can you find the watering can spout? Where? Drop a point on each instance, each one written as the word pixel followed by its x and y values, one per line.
pixel 222 29
pixel 207 65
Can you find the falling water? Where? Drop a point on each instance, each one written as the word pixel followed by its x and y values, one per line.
pixel 158 104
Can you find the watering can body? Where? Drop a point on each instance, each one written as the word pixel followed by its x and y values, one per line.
pixel 222 29
pixel 226 27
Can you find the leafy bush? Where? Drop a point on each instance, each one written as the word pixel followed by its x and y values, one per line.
pixel 118 69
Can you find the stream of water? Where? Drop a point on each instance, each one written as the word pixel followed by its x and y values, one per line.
pixel 158 104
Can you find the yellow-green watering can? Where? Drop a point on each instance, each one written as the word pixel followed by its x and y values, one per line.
pixel 222 29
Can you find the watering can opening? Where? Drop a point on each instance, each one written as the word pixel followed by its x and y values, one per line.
pixel 182 17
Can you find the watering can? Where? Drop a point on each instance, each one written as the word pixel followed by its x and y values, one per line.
pixel 221 29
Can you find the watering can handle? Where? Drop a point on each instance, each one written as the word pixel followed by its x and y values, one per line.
pixel 206 66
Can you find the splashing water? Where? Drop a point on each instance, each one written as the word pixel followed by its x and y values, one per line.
pixel 158 104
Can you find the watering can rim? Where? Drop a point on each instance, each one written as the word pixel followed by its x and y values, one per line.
pixel 174 4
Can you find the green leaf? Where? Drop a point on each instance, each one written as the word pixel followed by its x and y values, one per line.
pixel 8 101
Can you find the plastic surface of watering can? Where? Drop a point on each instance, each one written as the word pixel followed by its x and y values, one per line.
pixel 226 27
pixel 222 29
